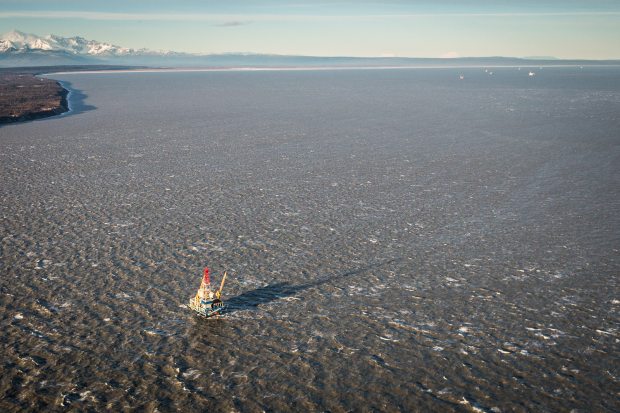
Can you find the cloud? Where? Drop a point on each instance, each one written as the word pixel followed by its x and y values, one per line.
pixel 450 55
pixel 114 16
pixel 245 18
pixel 233 23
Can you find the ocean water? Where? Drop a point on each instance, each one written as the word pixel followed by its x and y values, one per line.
pixel 395 240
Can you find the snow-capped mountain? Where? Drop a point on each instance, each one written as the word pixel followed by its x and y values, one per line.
pixel 16 41
pixel 18 49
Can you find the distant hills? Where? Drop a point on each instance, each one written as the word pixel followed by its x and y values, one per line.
pixel 18 49
pixel 19 42
pixel 24 49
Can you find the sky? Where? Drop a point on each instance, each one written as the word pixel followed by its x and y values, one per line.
pixel 588 29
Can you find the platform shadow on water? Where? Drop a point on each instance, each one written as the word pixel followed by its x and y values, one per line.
pixel 264 295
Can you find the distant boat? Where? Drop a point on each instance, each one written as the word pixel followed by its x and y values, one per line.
pixel 531 74
pixel 461 77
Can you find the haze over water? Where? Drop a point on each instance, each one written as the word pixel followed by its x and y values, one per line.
pixel 396 240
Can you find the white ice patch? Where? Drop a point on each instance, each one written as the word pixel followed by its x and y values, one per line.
pixel 84 395
pixel 191 374
pixel 156 332
pixel 388 339
pixel 473 406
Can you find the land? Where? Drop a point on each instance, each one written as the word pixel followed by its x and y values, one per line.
pixel 25 96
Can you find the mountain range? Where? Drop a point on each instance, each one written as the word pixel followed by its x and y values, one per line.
pixel 16 41
pixel 18 49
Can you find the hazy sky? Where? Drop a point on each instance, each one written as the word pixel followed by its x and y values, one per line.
pixel 561 28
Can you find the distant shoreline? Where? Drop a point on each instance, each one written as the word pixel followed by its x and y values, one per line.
pixel 310 68
pixel 23 85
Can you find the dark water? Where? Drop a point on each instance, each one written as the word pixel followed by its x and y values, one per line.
pixel 396 240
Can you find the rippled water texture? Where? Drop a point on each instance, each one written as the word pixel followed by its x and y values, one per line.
pixel 396 240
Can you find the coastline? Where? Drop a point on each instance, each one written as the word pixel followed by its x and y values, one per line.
pixel 38 107
pixel 27 93
pixel 312 68
pixel 66 97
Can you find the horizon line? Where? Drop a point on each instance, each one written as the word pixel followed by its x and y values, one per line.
pixel 336 56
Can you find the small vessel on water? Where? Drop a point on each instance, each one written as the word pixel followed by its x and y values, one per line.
pixel 206 302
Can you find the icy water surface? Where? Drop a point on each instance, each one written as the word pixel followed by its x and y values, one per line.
pixel 396 240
